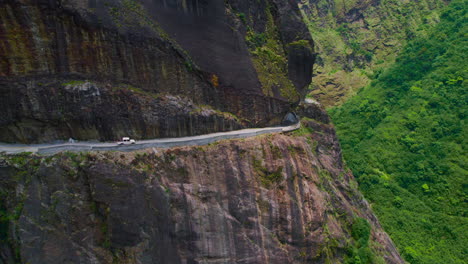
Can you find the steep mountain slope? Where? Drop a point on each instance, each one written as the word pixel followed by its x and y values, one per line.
pixel 357 39
pixel 404 137
pixel 104 69
pixel 89 69
pixel 268 199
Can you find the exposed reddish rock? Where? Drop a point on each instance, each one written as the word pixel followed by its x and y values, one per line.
pixel 268 199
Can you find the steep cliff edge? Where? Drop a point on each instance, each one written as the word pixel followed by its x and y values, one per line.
pixel 269 199
pixel 253 61
pixel 94 110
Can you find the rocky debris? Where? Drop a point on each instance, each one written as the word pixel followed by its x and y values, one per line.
pixel 269 199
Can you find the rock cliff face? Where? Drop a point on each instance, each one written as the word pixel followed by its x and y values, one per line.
pixel 356 39
pixel 270 199
pixel 237 58
pixel 59 110
pixel 103 69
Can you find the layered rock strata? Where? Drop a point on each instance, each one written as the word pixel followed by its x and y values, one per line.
pixel 215 53
pixel 268 199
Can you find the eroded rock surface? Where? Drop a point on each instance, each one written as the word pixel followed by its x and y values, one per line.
pixel 234 57
pixel 269 199
pixel 83 110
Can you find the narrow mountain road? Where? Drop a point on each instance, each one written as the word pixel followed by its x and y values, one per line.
pixel 143 144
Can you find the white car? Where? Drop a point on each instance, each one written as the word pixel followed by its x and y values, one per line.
pixel 126 141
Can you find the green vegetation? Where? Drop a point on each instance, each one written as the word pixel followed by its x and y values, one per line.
pixel 275 151
pixel 130 13
pixel 7 216
pixel 137 90
pixel 241 16
pixel 328 249
pixel 404 137
pixel 359 250
pixel 207 108
pixel 267 178
pixel 304 130
pixel 270 60
pixel 300 43
pixel 356 38
pixel 74 83
pixel 106 243
pixel 11 205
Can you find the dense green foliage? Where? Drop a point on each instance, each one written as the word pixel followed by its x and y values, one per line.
pixel 354 38
pixel 404 138
pixel 359 251
pixel 269 57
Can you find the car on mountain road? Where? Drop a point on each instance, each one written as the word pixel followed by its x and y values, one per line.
pixel 126 141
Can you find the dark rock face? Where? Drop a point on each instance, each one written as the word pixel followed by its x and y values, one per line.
pixel 83 110
pixel 201 26
pixel 314 111
pixel 194 49
pixel 205 30
pixel 290 119
pixel 300 57
pixel 270 199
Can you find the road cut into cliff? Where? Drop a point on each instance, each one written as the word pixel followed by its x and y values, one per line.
pixel 143 144
pixel 274 198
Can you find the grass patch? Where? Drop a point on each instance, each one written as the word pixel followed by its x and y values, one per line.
pixel 269 60
pixel 74 83
pixel 267 178
pixel 304 130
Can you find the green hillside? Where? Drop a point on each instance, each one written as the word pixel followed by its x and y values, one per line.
pixel 355 38
pixel 404 137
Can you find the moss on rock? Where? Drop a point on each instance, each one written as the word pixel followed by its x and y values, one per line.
pixel 270 61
